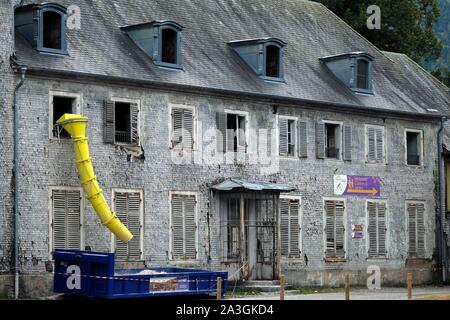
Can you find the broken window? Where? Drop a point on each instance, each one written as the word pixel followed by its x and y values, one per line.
pixel 169 46
pixel 376 229
pixel 232 128
pixel 129 209
pixel 60 106
pixel 121 123
pixel 416 229
pixel 183 226
pixel 413 148
pixel 290 227
pixel 182 128
pixel 362 74
pixel 332 140
pixel 272 61
pixel 288 133
pixel 334 229
pixel 66 219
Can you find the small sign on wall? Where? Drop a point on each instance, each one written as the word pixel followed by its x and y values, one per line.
pixel 357 231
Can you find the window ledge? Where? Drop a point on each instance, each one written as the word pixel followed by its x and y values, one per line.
pixel 273 80
pixel 335 260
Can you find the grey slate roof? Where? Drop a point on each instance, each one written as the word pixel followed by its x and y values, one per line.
pixel 310 30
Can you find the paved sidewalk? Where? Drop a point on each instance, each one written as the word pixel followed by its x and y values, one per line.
pixel 355 294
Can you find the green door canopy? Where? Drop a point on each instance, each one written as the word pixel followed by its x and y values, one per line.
pixel 237 184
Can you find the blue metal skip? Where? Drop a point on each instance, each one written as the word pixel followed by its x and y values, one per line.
pixel 92 274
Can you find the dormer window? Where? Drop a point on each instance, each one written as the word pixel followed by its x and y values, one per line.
pixel 353 69
pixel 160 40
pixel 264 56
pixel 44 26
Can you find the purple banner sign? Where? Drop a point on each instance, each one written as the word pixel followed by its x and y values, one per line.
pixel 357 186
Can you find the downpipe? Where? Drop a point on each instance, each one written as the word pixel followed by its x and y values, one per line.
pixel 75 125
pixel 22 70
pixel 442 246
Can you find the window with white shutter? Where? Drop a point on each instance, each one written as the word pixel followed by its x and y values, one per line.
pixel 121 122
pixel 416 229
pixel 66 218
pixel 183 226
pixel 334 229
pixel 232 131
pixel 182 122
pixel 376 229
pixel 128 206
pixel 375 144
pixel 287 136
pixel 290 227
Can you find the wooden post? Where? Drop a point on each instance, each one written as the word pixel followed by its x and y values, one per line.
pixel 347 286
pixel 409 281
pixel 219 288
pixel 282 287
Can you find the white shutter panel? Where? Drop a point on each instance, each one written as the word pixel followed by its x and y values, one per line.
pixel 134 225
pixel 302 139
pixel 379 144
pixel 59 219
pixel 177 227
pixel 177 126
pixel 420 212
pixel 134 109
pixel 347 143
pixel 284 226
pixel 340 229
pixel 329 229
pixel 188 129
pixel 190 226
pixel 320 140
pixel 108 122
pixel 120 206
pixel 241 139
pixel 372 229
pixel 221 123
pixel 411 208
pixel 294 227
pixel 283 141
pixel 73 234
pixel 381 229
pixel 371 150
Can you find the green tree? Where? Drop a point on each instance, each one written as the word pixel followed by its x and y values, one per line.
pixel 406 25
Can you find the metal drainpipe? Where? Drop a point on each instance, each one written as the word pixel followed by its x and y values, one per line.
pixel 22 71
pixel 442 247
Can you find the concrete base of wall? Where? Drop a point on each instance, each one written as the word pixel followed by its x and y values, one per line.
pixel 6 286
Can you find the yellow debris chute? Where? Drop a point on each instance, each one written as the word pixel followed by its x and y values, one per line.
pixel 75 125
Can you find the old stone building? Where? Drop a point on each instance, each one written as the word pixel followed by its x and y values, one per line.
pixel 257 137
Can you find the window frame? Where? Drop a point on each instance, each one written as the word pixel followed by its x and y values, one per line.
pixel 264 75
pixel 354 85
pixel 246 115
pixel 366 139
pixel 131 101
pixel 300 225
pixel 366 228
pixel 324 221
pixel 296 142
pixel 141 218
pixel 51 216
pixel 64 94
pixel 410 201
pixel 341 134
pixel 194 125
pixel 178 30
pixel 196 197
pixel 421 149
pixel 60 10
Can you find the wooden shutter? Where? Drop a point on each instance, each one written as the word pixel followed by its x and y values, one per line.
pixel 420 220
pixel 190 227
pixel 134 109
pixel 120 206
pixel 379 140
pixel 283 141
pixel 347 141
pixel 221 122
pixel 66 224
pixel 329 229
pixel 177 227
pixel 284 226
pixel 177 126
pixel 372 229
pixel 294 227
pixel 188 129
pixel 241 138
pixel 334 229
pixel 320 140
pixel 340 230
pixel 377 229
pixel 108 121
pixel 381 229
pixel 371 149
pixel 134 225
pixel 302 139
pixel 412 231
